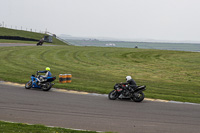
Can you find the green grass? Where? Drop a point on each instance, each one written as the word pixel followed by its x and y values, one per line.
pixel 18 41
pixel 6 127
pixel 170 75
pixel 26 34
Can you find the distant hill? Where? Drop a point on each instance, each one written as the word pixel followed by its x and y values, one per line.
pixel 7 34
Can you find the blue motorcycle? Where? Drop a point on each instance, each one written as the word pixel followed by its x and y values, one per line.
pixel 45 84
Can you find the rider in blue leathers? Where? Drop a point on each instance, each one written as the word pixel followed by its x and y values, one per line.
pixel 43 77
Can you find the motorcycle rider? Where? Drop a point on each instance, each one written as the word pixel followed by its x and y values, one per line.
pixel 42 78
pixel 130 84
pixel 41 41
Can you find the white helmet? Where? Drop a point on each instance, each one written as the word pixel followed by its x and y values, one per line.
pixel 128 78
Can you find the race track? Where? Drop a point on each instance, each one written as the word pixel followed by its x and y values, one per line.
pixel 21 44
pixel 91 112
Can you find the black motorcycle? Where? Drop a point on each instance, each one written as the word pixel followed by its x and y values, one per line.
pixel 121 91
pixel 39 43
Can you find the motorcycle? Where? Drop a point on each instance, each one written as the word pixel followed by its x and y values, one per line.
pixel 45 85
pixel 121 91
pixel 39 43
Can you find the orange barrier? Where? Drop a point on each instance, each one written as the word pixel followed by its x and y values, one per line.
pixel 65 78
pixel 69 78
pixel 60 78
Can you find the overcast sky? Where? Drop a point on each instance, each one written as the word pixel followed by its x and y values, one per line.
pixel 120 19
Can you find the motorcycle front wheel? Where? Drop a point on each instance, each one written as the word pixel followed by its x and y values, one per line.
pixel 113 95
pixel 138 96
pixel 28 85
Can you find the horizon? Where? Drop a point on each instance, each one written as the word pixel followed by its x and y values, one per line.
pixel 65 36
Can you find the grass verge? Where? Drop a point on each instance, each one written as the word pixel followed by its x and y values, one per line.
pixel 7 127
pixel 169 75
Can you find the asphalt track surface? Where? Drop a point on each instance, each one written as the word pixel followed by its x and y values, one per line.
pixel 97 113
pixel 20 44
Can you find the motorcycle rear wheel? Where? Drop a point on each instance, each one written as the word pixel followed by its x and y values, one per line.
pixel 138 97
pixel 28 85
pixel 113 95
pixel 46 86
